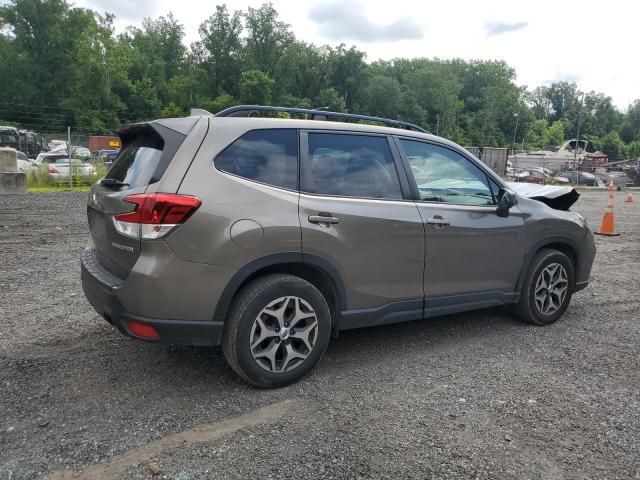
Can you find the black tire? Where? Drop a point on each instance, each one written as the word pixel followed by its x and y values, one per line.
pixel 248 304
pixel 528 309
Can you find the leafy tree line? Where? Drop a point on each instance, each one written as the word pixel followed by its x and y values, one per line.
pixel 63 65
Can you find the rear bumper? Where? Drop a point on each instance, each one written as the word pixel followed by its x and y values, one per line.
pixel 100 288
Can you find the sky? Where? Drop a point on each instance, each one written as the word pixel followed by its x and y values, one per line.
pixel 591 43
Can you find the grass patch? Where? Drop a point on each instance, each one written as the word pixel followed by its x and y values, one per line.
pixel 39 179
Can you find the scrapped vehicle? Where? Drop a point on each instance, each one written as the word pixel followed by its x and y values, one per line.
pixel 58 167
pixel 107 156
pixel 585 179
pixel 619 179
pixel 24 164
pixel 267 236
pixel 530 177
pixel 540 176
pixel 82 153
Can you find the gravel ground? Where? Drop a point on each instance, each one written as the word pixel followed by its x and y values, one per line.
pixel 476 395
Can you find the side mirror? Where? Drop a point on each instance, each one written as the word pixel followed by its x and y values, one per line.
pixel 506 200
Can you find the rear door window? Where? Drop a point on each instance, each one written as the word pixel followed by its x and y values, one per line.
pixel 267 156
pixel 351 166
pixel 137 161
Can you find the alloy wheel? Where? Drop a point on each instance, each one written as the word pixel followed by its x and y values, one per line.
pixel 283 334
pixel 551 289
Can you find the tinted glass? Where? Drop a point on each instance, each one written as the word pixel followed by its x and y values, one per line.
pixel 351 166
pixel 137 162
pixel 443 175
pixel 267 156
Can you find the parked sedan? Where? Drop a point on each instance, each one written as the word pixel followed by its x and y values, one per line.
pixel 58 167
pixel 583 178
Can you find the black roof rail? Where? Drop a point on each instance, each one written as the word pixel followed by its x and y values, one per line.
pixel 315 114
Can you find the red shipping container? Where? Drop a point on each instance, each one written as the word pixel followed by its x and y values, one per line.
pixel 99 142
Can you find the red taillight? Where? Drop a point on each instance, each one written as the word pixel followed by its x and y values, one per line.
pixel 160 208
pixel 52 170
pixel 143 330
pixel 155 214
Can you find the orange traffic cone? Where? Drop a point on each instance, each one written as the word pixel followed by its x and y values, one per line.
pixel 629 198
pixel 607 227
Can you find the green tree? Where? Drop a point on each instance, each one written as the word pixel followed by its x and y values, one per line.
pixel 267 38
pixel 220 37
pixel 331 99
pixel 540 103
pixel 348 75
pixel 633 149
pixel 555 134
pixel 38 45
pixel 256 87
pixel 538 135
pixel 437 92
pixel 171 110
pixel 383 96
pixel 613 146
pixel 630 127
pixel 564 97
pixel 158 55
pixel 219 103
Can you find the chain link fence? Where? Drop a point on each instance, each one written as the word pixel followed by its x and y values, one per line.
pixel 67 158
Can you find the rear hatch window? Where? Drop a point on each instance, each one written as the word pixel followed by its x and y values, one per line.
pixel 136 164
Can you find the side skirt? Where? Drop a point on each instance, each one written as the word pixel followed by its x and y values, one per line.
pixel 418 309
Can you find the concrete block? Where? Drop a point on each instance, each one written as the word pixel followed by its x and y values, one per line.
pixel 8 160
pixel 13 182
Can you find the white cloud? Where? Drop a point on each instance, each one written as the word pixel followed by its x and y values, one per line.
pixel 347 20
pixel 124 10
pixel 498 28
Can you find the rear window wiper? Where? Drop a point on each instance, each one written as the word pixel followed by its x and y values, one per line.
pixel 112 182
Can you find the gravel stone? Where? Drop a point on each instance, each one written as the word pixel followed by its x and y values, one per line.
pixel 383 403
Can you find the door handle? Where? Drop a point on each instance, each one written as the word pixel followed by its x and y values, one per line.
pixel 323 218
pixel 438 222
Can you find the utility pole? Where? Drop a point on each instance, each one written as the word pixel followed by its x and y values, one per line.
pixel 515 131
pixel 69 151
pixel 575 150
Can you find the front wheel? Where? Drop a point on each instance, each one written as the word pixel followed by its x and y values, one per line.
pixel 547 288
pixel 278 328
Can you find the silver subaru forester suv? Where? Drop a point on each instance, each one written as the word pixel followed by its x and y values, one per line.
pixel 267 236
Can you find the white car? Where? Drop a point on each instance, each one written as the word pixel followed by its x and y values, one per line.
pixel 76 152
pixel 24 164
pixel 58 167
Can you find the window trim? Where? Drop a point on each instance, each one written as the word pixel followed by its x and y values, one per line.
pixel 279 187
pixel 305 165
pixel 488 173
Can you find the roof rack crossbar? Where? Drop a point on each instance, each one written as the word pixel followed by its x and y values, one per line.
pixel 314 114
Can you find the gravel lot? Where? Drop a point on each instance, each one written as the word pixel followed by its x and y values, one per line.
pixel 476 395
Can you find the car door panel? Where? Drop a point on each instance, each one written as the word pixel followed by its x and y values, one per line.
pixel 477 251
pixel 471 254
pixel 375 244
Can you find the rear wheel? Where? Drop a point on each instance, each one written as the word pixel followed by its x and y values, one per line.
pixel 547 288
pixel 278 328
